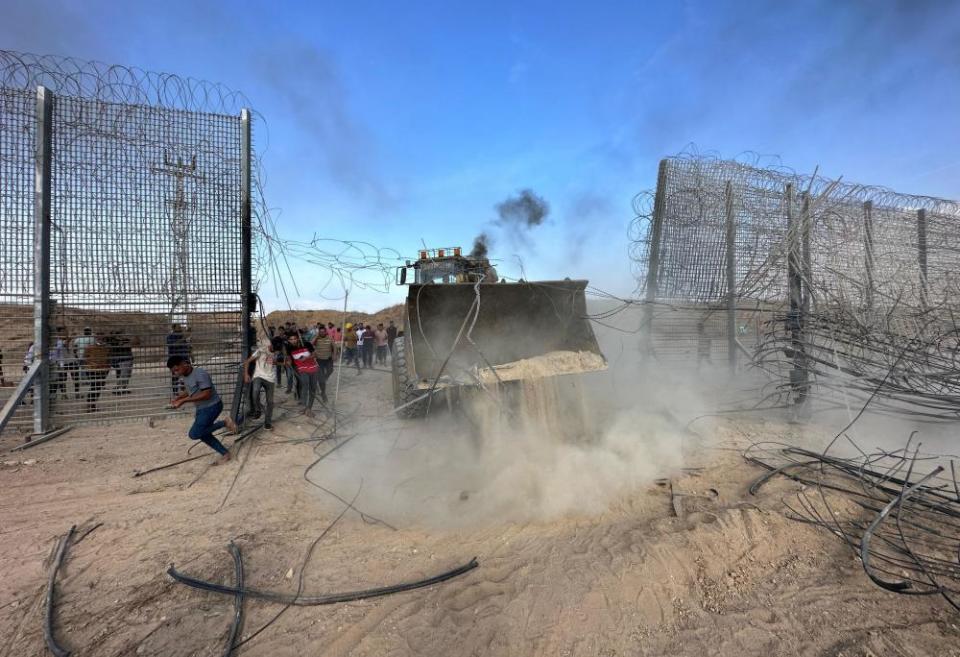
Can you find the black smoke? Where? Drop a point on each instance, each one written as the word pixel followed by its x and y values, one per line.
pixel 525 210
pixel 481 246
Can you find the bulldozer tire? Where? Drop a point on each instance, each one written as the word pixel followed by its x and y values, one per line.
pixel 405 390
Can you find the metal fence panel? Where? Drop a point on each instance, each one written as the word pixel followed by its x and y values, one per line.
pixel 17 143
pixel 147 255
pixel 873 272
pixel 146 207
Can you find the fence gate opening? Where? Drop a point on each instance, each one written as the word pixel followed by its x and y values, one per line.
pixel 124 239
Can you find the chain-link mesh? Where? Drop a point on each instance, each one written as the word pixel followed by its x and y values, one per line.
pixel 145 240
pixel 17 142
pixel 146 208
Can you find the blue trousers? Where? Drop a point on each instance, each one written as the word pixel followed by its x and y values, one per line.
pixel 205 423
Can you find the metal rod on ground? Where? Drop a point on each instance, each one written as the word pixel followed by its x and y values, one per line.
pixel 238 600
pixel 907 491
pixel 41 260
pixel 42 439
pixel 318 600
pixel 653 262
pixel 240 437
pixel 140 473
pixel 731 239
pixel 52 644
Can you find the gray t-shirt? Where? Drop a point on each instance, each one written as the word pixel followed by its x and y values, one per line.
pixel 199 380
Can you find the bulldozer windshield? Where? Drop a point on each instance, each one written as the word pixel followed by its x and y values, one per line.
pixel 443 271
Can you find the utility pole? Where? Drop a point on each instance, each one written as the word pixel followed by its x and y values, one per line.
pixel 180 224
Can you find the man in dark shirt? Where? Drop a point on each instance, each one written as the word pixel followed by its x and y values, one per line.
pixel 391 336
pixel 323 353
pixel 176 346
pixel 96 367
pixel 121 359
pixel 201 392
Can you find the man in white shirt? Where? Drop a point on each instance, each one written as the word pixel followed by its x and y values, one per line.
pixel 80 343
pixel 264 378
pixel 58 357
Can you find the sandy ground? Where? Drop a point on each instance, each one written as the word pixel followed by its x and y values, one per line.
pixel 731 576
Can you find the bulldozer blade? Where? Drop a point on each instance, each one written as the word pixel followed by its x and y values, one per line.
pixel 493 329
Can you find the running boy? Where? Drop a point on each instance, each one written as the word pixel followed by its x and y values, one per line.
pixel 200 391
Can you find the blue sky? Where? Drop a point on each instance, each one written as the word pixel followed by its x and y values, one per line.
pixel 389 122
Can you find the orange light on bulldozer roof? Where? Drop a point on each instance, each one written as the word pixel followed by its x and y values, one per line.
pixel 456 250
pixel 423 255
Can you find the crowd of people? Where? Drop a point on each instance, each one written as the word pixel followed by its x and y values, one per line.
pixel 86 361
pixel 304 358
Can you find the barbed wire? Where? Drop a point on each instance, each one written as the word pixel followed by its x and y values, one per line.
pixel 875 270
pixel 691 260
pixel 114 83
pixel 145 205
pixel 343 264
pixel 338 267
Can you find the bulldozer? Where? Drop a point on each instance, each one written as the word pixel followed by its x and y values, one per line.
pixel 464 328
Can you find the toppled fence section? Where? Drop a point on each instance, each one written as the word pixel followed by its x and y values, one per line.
pixel 824 284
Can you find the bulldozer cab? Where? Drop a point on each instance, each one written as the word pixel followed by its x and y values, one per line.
pixel 444 267
pixel 462 328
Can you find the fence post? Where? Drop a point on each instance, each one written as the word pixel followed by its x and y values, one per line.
pixel 246 246
pixel 798 376
pixel 653 261
pixel 41 259
pixel 807 282
pixel 922 254
pixel 731 238
pixel 868 246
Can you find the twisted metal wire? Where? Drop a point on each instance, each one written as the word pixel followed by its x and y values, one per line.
pixel 871 309
pixel 896 510
pixel 113 83
pixel 343 264
pixel 339 266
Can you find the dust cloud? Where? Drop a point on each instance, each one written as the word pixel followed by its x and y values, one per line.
pixel 539 450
